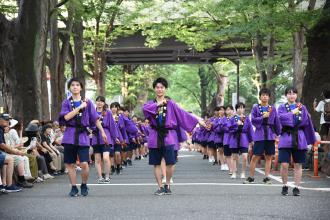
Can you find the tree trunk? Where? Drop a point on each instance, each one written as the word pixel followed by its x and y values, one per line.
pixel 143 94
pixel 219 97
pixel 124 83
pixel 203 85
pixel 78 40
pixel 298 68
pixel 271 73
pixel 55 81
pixel 100 58
pixel 44 96
pixel 7 66
pixel 257 50
pixel 32 26
pixel 298 49
pixel 318 69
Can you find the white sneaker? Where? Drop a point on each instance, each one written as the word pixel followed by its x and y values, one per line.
pixel 164 180
pixel 100 181
pixel 226 167
pixel 210 160
pixel 48 176
pixel 233 176
pixel 222 167
pixel 39 180
pixel 171 181
pixel 242 175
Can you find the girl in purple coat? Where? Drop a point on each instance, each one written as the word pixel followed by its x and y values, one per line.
pixel 120 127
pixel 225 122
pixel 218 139
pixel 241 132
pixel 165 117
pixel 78 114
pixel 102 150
pixel 213 123
pixel 297 133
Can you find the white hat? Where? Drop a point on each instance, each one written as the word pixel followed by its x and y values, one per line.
pixel 13 123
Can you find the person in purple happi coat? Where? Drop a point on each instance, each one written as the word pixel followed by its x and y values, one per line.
pixel 165 117
pixel 267 127
pixel 78 114
pixel 218 138
pixel 100 149
pixel 297 133
pixel 241 132
pixel 225 123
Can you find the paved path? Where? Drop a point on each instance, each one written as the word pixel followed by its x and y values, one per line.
pixel 201 191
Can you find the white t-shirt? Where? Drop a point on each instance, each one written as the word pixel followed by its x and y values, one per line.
pixel 320 108
pixel 12 138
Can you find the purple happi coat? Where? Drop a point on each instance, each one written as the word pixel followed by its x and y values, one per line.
pixel 88 119
pixel 302 125
pixel 182 137
pixel 131 129
pixel 122 128
pixel 218 128
pixel 265 128
pixel 175 117
pixel 211 137
pixel 225 128
pixel 110 130
pixel 240 137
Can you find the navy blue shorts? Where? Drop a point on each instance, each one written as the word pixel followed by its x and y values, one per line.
pixel 100 149
pixel 157 154
pixel 126 148
pixel 117 148
pixel 240 150
pixel 130 147
pixel 72 152
pixel 2 159
pixel 176 153
pixel 266 146
pixel 211 145
pixel 284 155
pixel 204 144
pixel 112 151
pixel 227 150
pixel 219 145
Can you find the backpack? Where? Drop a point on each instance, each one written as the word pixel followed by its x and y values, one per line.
pixel 326 111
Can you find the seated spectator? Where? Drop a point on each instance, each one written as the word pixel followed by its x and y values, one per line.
pixel 7 160
pixel 7 169
pixel 14 141
pixel 32 132
pixel 19 160
pixel 58 136
pixel 46 143
pixel 58 142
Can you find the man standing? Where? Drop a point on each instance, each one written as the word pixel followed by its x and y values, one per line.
pixel 165 117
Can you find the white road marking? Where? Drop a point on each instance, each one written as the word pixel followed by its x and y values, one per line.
pixel 181 156
pixel 186 184
pixel 291 184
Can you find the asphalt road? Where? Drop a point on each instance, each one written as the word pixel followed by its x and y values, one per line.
pixel 200 191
